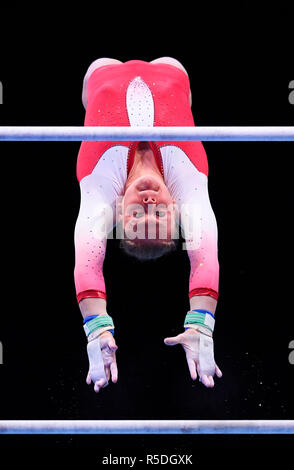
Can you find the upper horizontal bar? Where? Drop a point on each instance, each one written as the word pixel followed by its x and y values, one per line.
pixel 76 133
pixel 147 427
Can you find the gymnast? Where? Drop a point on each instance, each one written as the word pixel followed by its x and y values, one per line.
pixel 147 190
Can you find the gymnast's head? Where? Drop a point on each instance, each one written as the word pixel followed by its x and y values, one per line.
pixel 147 212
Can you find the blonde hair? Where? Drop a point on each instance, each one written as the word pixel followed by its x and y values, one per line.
pixel 145 250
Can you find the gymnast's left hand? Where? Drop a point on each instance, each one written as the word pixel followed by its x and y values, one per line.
pixel 201 361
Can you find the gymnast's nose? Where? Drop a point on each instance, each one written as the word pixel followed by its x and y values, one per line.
pixel 149 199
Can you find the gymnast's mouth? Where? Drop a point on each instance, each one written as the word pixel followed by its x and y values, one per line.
pixel 147 183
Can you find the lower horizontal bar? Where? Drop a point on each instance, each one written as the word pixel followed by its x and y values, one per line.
pixel 76 133
pixel 147 427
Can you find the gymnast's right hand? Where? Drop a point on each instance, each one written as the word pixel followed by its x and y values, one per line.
pixel 102 361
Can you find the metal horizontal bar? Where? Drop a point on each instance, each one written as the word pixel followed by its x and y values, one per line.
pixel 147 427
pixel 76 133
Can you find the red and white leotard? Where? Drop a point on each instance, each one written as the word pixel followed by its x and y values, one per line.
pixel 138 93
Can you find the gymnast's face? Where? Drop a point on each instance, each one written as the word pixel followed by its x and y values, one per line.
pixel 148 210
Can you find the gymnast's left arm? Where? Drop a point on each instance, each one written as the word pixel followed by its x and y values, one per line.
pixel 201 242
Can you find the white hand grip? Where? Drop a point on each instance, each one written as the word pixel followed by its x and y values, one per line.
pixel 96 364
pixel 206 356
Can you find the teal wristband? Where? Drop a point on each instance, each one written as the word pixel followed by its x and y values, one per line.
pixel 200 318
pixel 98 322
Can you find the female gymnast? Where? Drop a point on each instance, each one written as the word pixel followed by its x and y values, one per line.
pixel 147 190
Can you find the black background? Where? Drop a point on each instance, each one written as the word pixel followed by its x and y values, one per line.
pixel 240 63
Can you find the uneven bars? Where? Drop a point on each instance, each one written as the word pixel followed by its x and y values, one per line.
pixel 147 427
pixel 76 133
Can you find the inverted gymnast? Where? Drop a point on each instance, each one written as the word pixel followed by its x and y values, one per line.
pixel 149 189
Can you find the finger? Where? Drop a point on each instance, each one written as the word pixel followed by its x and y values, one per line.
pixel 88 379
pixel 100 384
pixel 211 381
pixel 112 345
pixel 192 368
pixel 218 371
pixel 114 372
pixel 107 373
pixel 205 381
pixel 173 340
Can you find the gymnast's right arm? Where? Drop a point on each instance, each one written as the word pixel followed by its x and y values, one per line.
pixel 92 226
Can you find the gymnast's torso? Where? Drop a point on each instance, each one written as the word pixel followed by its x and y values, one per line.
pixel 138 93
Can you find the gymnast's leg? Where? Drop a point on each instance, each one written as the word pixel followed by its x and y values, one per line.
pixel 95 65
pixel 175 63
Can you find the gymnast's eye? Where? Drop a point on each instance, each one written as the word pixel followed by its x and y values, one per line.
pixel 138 214
pixel 160 213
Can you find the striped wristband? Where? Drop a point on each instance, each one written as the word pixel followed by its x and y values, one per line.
pixel 200 317
pixel 95 322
